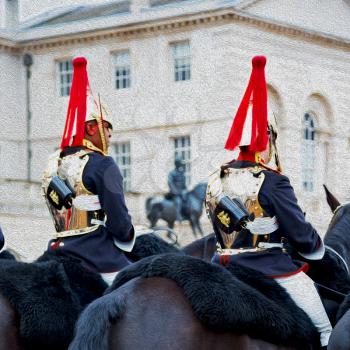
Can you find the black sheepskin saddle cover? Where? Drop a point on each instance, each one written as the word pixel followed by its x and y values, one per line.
pixel 150 244
pixel 48 295
pixel 231 298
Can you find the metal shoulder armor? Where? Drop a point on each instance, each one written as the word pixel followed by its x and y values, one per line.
pixel 84 213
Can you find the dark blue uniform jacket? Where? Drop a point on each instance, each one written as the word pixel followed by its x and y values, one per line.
pixel 96 249
pixel 277 198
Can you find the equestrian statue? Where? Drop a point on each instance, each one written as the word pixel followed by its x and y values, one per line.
pixel 178 204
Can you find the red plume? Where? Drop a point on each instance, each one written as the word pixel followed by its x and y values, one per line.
pixel 257 91
pixel 76 112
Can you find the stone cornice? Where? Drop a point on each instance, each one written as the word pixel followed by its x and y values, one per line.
pixel 167 25
pixel 9 45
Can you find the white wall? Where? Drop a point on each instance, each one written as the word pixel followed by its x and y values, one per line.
pixel 13 117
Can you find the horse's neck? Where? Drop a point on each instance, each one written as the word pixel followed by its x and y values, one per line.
pixel 338 237
pixel 197 193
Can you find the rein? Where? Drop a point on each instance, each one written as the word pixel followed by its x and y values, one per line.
pixel 339 207
pixel 339 256
pixel 331 293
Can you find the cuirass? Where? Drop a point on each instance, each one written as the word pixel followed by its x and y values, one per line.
pixel 244 184
pixel 85 215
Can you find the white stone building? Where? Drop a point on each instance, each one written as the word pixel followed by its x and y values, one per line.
pixel 172 73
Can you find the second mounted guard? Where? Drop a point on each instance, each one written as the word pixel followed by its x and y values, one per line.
pixel 254 210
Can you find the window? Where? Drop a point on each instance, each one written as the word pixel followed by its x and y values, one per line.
pixel 182 148
pixel 65 76
pixel 182 61
pixel 123 159
pixel 308 153
pixel 122 70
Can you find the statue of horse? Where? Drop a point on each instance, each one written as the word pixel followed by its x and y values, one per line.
pixel 137 307
pixel 164 208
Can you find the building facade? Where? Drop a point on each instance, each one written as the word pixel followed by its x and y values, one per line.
pixel 172 74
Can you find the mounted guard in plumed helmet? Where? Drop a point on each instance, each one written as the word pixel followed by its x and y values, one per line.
pixel 82 185
pixel 244 219
pixel 73 208
pixel 254 210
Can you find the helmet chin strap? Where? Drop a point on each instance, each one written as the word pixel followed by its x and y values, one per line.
pixel 102 136
pixel 88 144
pixel 272 155
pixel 273 147
pixel 99 120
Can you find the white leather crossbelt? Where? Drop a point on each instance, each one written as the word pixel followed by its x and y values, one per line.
pixel 261 247
pixel 87 202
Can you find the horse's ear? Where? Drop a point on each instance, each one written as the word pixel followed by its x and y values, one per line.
pixel 331 200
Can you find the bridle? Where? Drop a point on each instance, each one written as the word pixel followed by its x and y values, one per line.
pixel 339 256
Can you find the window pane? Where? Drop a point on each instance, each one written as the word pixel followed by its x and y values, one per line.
pixel 123 159
pixel 182 149
pixel 308 156
pixel 182 61
pixel 122 69
pixel 65 73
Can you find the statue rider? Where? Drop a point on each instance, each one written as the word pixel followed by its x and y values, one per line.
pixel 83 187
pixel 177 186
pixel 266 200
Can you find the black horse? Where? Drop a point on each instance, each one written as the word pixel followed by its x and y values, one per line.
pixel 164 208
pixel 140 317
pixel 340 244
